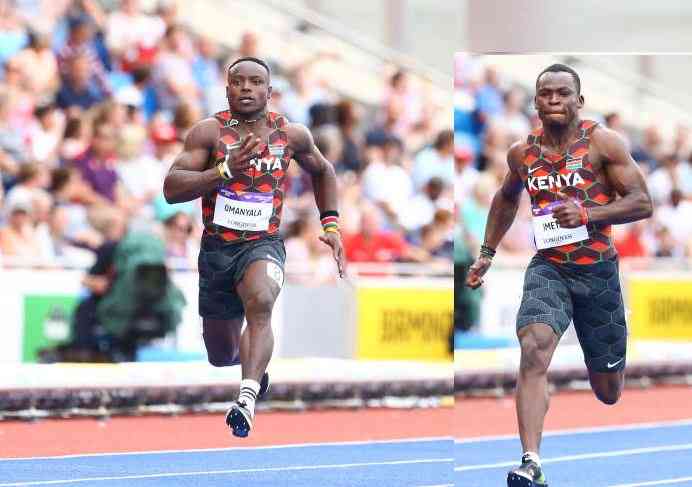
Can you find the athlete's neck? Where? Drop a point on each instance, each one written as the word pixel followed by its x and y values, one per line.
pixel 249 118
pixel 558 137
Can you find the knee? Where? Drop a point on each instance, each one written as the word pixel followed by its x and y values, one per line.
pixel 535 355
pixel 219 360
pixel 258 307
pixel 608 395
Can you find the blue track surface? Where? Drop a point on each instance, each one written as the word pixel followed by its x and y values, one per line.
pixel 403 463
pixel 636 456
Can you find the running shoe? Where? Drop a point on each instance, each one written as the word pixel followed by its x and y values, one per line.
pixel 529 474
pixel 239 419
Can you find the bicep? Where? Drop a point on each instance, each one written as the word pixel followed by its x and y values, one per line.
pixel 621 170
pixel 306 153
pixel 196 151
pixel 512 184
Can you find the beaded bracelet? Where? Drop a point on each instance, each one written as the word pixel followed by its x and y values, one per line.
pixel 584 215
pixel 487 251
pixel 330 221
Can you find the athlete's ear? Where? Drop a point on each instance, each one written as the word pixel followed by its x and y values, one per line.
pixel 269 92
pixel 535 102
pixel 580 101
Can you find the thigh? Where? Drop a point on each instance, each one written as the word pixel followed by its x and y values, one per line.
pixel 599 318
pixel 546 298
pixel 218 299
pixel 260 273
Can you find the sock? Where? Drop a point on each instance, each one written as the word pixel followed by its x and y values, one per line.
pixel 248 393
pixel 532 455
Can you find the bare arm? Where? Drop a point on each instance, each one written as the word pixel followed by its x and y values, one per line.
pixel 627 179
pixel 505 203
pixel 323 177
pixel 320 169
pixel 502 212
pixel 188 177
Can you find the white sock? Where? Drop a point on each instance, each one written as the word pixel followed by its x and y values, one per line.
pixel 532 456
pixel 248 393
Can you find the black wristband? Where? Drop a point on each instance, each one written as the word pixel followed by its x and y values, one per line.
pixel 327 213
pixel 487 251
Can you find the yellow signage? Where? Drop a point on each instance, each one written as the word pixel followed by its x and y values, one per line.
pixel 661 309
pixel 404 323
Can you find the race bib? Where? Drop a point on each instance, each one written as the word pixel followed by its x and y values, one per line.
pixel 548 231
pixel 243 211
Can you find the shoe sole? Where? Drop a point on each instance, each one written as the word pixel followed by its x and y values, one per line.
pixel 237 421
pixel 514 480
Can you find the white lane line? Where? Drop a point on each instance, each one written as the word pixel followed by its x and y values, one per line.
pixel 584 456
pixel 243 448
pixel 656 482
pixel 571 431
pixel 441 485
pixel 235 471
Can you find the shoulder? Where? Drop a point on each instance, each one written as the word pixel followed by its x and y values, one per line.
pixel 516 151
pixel 607 141
pixel 203 132
pixel 299 137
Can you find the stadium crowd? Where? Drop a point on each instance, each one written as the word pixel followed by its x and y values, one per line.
pixel 95 104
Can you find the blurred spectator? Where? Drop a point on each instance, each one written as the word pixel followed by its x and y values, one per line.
pixel 672 174
pixel 97 165
pixel 676 217
pixel 681 142
pixel 512 119
pixel 32 179
pixel 435 161
pixel 177 229
pixel 18 236
pixel 474 211
pixel 650 151
pixel 80 43
pixel 421 208
pixel 630 240
pixel 79 87
pixel 465 174
pixel 45 134
pixel 20 101
pixel 408 102
pixel 132 35
pixel 347 120
pixel 75 139
pixel 13 35
pixel 489 103
pixel 305 252
pixel 185 116
pixel 373 244
pixel 173 76
pixel 38 65
pixel 205 69
pixel 12 150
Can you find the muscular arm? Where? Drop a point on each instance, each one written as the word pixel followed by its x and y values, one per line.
pixel 505 202
pixel 320 169
pixel 188 177
pixel 624 174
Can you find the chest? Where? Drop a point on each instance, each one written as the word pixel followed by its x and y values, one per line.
pixel 272 155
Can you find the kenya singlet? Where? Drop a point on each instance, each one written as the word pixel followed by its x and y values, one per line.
pixel 248 206
pixel 572 174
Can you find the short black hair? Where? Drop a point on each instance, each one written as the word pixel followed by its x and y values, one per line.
pixel 252 60
pixel 561 68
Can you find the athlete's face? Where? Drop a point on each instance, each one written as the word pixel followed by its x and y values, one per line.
pixel 557 101
pixel 248 88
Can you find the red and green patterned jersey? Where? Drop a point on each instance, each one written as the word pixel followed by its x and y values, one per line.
pixel 545 174
pixel 248 206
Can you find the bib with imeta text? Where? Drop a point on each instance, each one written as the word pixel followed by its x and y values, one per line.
pixel 237 210
pixel 548 232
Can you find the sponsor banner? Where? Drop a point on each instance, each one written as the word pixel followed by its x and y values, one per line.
pixel 404 323
pixel 660 309
pixel 47 322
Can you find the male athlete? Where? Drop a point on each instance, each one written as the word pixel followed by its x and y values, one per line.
pixel 574 170
pixel 236 161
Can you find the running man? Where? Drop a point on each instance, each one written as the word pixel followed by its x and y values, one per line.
pixel 236 161
pixel 574 170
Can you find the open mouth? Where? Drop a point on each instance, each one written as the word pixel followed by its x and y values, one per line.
pixel 246 100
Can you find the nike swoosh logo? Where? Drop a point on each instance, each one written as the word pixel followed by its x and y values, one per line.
pixel 532 169
pixel 610 366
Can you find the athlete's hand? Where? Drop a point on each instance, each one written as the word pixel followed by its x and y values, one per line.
pixel 239 157
pixel 333 239
pixel 477 271
pixel 567 213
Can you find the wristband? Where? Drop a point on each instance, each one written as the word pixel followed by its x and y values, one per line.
pixel 330 221
pixel 584 215
pixel 224 171
pixel 487 251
